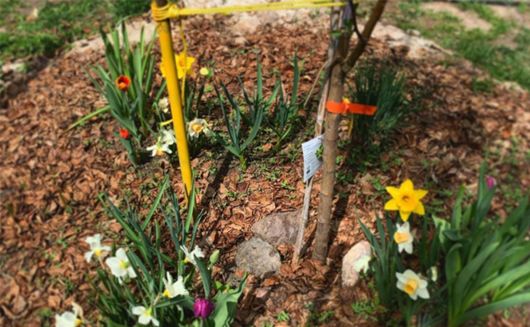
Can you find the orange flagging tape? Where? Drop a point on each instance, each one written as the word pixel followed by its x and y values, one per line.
pixel 336 107
pixel 346 107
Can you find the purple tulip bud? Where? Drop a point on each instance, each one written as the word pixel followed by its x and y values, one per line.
pixel 490 182
pixel 202 308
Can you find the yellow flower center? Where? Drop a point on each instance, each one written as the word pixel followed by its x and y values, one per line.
pixel 166 293
pixel 97 252
pixel 159 151
pixel 411 286
pixel 182 62
pixel 197 128
pixel 407 201
pixel 149 312
pixel 124 264
pixel 78 322
pixel 401 237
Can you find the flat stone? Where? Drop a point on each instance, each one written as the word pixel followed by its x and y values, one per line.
pixel 350 276
pixel 258 257
pixel 278 227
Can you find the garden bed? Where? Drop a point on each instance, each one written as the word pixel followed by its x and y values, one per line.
pixel 50 178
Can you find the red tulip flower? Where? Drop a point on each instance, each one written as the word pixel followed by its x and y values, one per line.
pixel 123 82
pixel 124 133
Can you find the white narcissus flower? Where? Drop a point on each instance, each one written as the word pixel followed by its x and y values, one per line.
pixel 70 318
pixel 173 289
pixel 120 265
pixel 190 256
pixel 96 249
pixel 145 315
pixel 198 126
pixel 168 137
pixel 362 264
pixel 163 104
pixel 412 284
pixel 404 238
pixel 159 148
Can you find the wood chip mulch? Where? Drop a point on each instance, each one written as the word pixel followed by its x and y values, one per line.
pixel 50 177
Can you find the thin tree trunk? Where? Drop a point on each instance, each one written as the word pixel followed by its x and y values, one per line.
pixel 304 216
pixel 332 121
pixel 345 62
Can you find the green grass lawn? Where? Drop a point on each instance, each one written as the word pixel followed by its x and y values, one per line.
pixel 503 50
pixel 57 24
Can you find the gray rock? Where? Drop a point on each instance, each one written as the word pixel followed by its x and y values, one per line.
pixel 278 228
pixel 350 276
pixel 258 257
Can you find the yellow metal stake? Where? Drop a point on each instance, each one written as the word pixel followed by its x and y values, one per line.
pixel 173 89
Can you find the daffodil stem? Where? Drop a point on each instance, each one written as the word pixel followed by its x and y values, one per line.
pixel 242 163
pixel 157 298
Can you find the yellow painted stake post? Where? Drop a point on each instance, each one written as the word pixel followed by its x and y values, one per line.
pixel 173 89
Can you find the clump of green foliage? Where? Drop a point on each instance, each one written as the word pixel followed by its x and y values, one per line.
pixel 57 23
pixel 154 250
pixel 243 126
pixel 284 118
pixel 382 86
pixel 474 264
pixel 124 8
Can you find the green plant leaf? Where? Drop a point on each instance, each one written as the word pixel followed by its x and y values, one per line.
pixel 156 203
pixel 493 307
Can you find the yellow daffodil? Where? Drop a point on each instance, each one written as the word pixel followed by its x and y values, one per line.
pixel 184 64
pixel 406 200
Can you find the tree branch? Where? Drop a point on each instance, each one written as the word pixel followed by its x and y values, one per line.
pixel 356 53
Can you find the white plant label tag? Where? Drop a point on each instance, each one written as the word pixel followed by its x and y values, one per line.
pixel 311 162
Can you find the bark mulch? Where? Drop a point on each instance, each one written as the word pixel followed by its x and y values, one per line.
pixel 50 177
